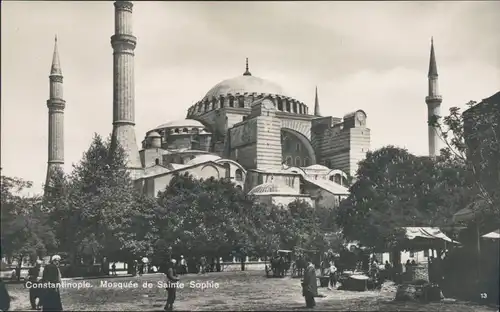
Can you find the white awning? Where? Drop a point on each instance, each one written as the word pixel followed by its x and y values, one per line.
pixel 494 234
pixel 426 233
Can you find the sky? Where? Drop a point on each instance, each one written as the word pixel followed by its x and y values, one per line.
pixel 361 55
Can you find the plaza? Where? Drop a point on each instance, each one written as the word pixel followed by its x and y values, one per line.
pixel 235 291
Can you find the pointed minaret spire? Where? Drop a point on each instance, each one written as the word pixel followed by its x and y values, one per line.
pixel 247 73
pixel 316 105
pixel 432 61
pixel 433 101
pixel 56 66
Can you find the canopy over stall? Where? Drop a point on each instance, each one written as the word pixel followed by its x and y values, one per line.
pixel 425 238
pixel 494 235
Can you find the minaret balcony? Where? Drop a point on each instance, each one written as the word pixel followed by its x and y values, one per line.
pixel 433 98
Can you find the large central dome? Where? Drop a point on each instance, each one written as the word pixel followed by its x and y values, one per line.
pixel 244 84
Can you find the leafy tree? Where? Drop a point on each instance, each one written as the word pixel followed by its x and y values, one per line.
pixel 395 189
pixel 25 228
pixel 472 139
pixel 55 205
pixel 103 206
pixel 207 216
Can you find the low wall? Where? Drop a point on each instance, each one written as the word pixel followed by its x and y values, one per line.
pixel 249 266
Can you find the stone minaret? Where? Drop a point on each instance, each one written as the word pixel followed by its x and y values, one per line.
pixel 56 106
pixel 316 105
pixel 433 100
pixel 123 43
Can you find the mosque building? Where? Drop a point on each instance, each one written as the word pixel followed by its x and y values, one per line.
pixel 246 129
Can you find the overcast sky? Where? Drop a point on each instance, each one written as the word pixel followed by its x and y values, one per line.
pixel 362 55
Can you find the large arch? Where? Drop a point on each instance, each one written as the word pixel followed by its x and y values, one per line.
pixel 210 127
pixel 300 126
pixel 305 142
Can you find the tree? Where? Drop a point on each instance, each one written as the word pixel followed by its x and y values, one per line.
pixel 472 138
pixel 209 216
pixel 103 205
pixel 395 189
pixel 55 205
pixel 25 228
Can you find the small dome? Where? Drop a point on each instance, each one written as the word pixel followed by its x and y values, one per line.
pixel 154 134
pixel 183 123
pixel 272 188
pixel 244 84
pixel 202 159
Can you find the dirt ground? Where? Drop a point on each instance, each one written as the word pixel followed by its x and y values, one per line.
pixel 233 291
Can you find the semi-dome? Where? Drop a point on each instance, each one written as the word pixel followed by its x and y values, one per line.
pixel 267 188
pixel 244 84
pixel 182 123
pixel 202 158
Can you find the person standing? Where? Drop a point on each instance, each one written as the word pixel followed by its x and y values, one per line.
pixel 113 269
pixel 171 283
pixel 203 265
pixel 4 297
pixel 310 284
pixel 35 292
pixel 332 273
pixel 52 276
pixel 183 265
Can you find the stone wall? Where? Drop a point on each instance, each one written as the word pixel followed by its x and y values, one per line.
pixel 249 266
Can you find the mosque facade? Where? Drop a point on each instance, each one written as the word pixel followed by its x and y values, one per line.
pixel 246 129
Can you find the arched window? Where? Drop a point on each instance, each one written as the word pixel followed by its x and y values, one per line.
pixel 331 178
pixel 338 178
pixel 238 175
pixel 286 143
pixel 185 130
pixel 280 104
pixel 289 161
pixel 221 102
pixel 297 161
pixel 239 187
pixel 306 161
pixel 176 130
pixel 231 102
pixel 157 161
pixel 241 102
pixel 227 166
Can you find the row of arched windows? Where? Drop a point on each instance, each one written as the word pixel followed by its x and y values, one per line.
pixel 299 162
pixel 283 104
pixel 238 174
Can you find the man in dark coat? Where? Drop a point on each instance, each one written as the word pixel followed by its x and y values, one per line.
pixel 171 283
pixel 52 281
pixel 310 284
pixel 35 292
pixel 4 297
